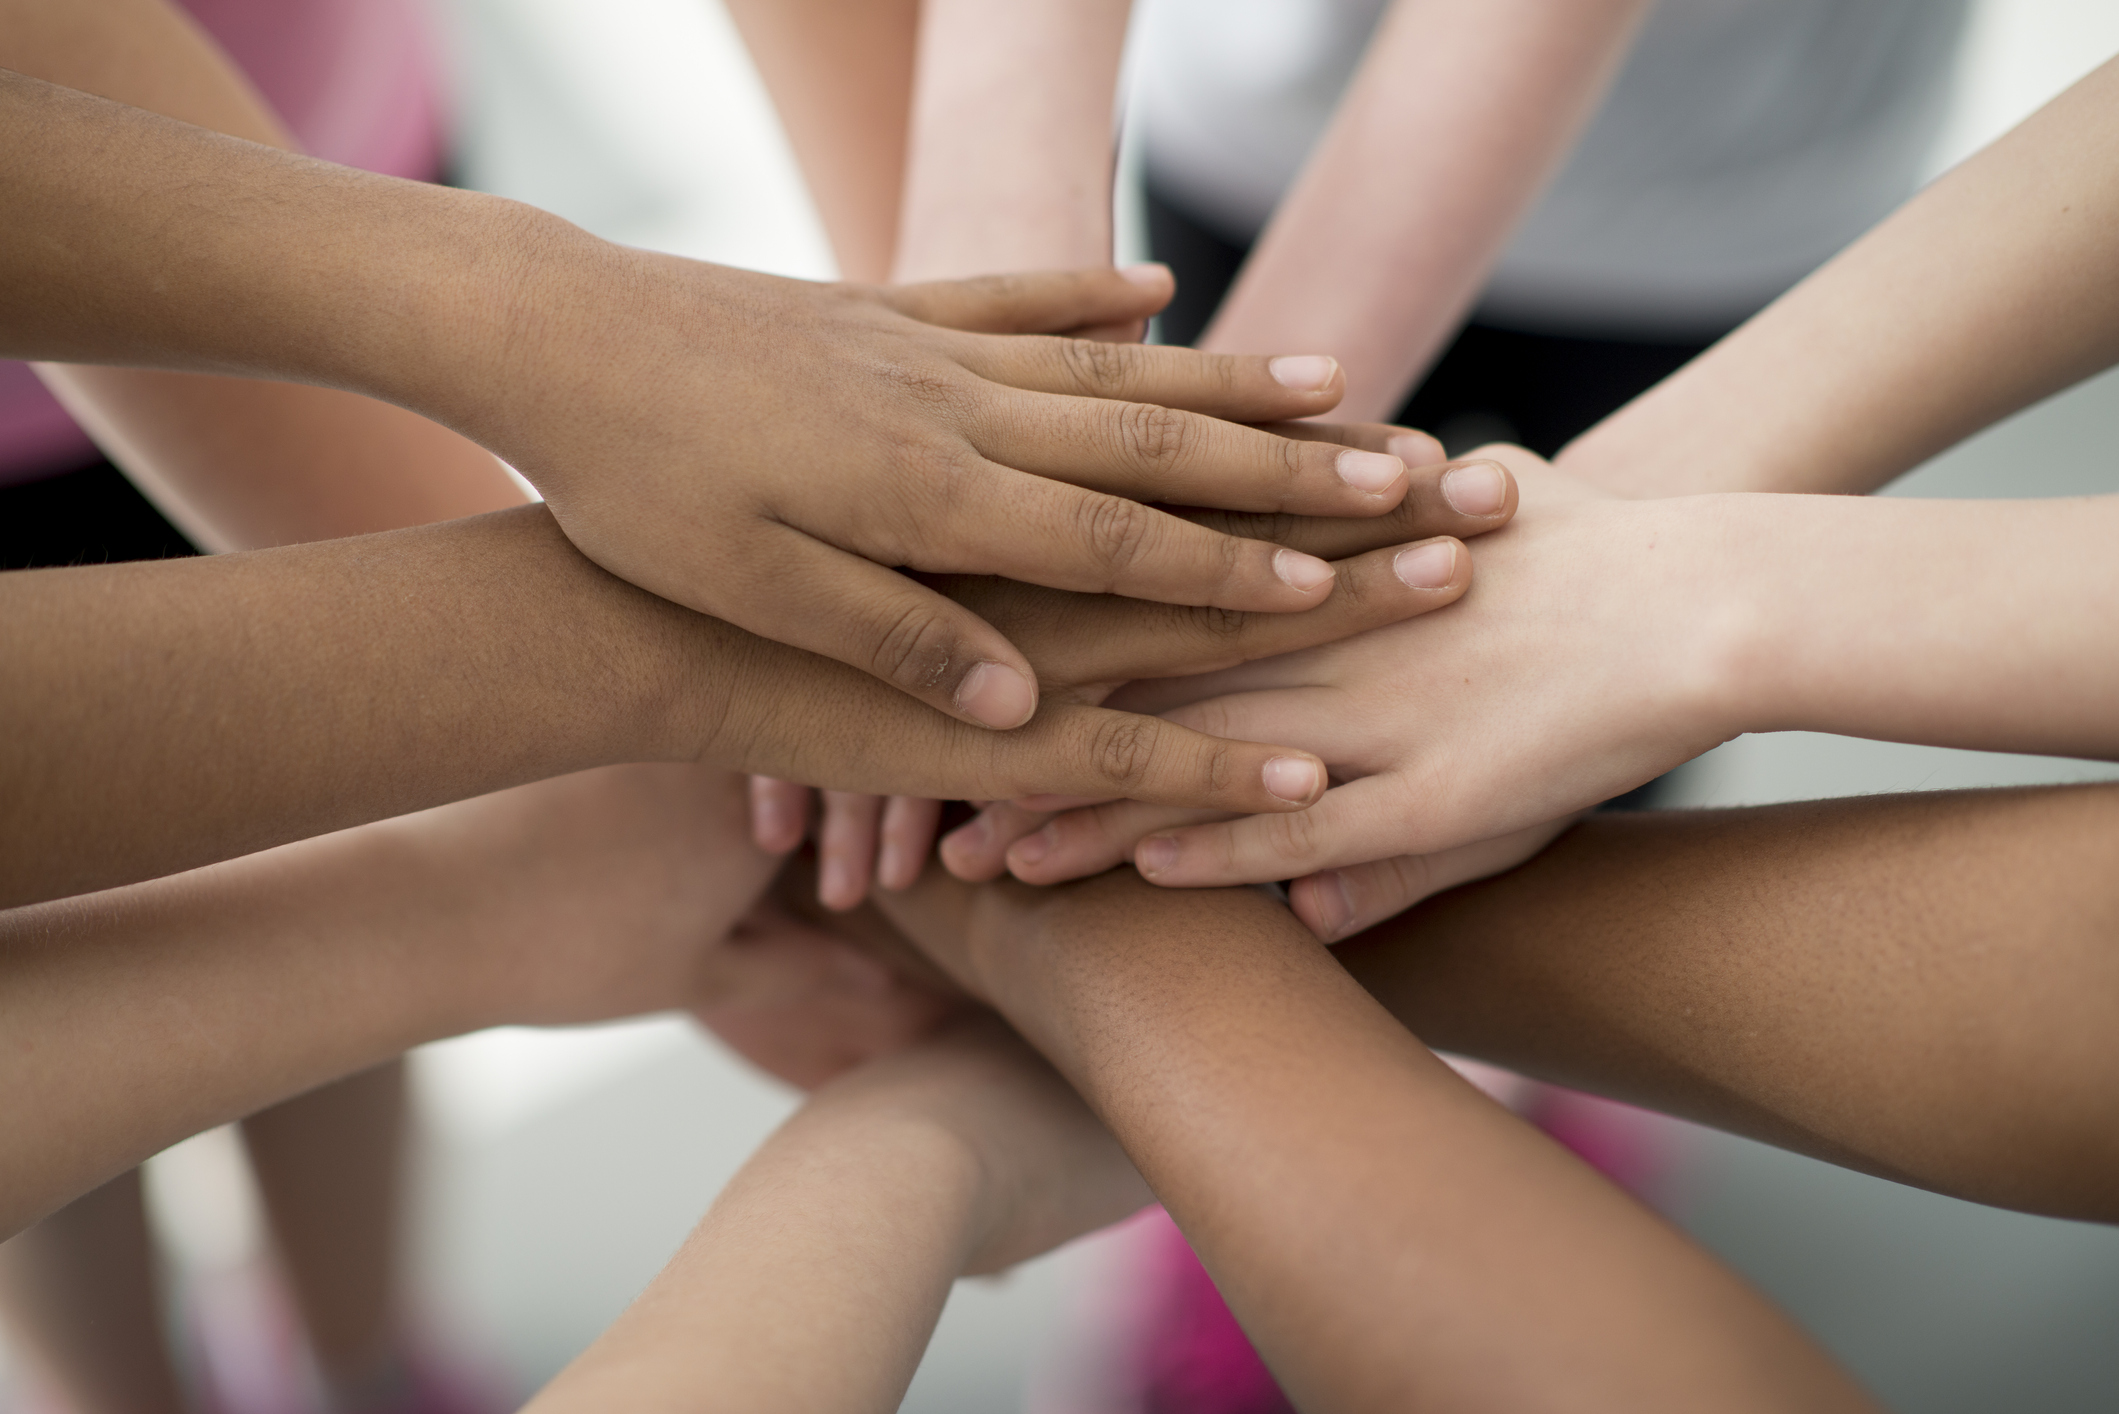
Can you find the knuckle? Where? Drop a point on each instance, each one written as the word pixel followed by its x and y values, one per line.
pixel 1096 369
pixel 1152 436
pixel 1122 751
pixel 1295 836
pixel 1117 532
pixel 1219 627
pixel 917 650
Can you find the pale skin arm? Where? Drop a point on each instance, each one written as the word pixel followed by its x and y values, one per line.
pixel 1919 986
pixel 235 463
pixel 1984 293
pixel 813 1283
pixel 1460 113
pixel 1386 1234
pixel 1609 640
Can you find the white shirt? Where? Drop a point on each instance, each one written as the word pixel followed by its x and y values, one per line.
pixel 1744 142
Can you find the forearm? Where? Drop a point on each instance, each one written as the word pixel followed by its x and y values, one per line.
pixel 1918 986
pixel 1368 1215
pixel 303 690
pixel 237 463
pixel 1983 294
pixel 811 1285
pixel 1460 113
pixel 192 251
pixel 1010 161
pixel 138 1017
pixel 1977 624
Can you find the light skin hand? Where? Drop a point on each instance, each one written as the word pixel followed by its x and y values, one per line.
pixel 1085 648
pixel 816 1278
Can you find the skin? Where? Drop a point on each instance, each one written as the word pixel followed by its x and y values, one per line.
pixel 1469 107
pixel 1611 640
pixel 601 373
pixel 1918 986
pixel 1861 373
pixel 817 1276
pixel 1238 1064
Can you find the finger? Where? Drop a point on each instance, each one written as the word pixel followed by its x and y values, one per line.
pixel 1063 537
pixel 1409 445
pixel 1462 498
pixel 1352 824
pixel 909 823
pixel 1074 639
pixel 1339 903
pixel 896 629
pixel 1155 453
pixel 1041 302
pixel 853 733
pixel 1084 842
pixel 779 814
pixel 846 848
pixel 1239 387
pixel 977 850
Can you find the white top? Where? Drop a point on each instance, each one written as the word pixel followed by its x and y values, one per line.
pixel 1744 142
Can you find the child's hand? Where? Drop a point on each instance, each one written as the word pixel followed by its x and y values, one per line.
pixel 1077 644
pixel 770 451
pixel 1584 666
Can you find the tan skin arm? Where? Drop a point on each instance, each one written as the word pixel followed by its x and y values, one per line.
pixel 235 463
pixel 1389 1237
pixel 1919 986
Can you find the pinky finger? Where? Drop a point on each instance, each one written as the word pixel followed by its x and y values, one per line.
pixel 779 814
pixel 909 824
pixel 1338 903
pixel 846 848
pixel 976 851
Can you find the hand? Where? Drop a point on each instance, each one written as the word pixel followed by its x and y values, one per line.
pixel 1583 667
pixel 925 432
pixel 1473 503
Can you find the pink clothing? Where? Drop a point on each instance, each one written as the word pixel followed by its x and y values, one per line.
pixel 357 83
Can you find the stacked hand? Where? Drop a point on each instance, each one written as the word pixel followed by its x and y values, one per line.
pixel 1085 647
pixel 1458 745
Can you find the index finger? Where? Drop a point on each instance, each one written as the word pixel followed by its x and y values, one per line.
pixel 1238 387
pixel 1461 498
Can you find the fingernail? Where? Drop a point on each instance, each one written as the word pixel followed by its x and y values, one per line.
pixel 1414 448
pixel 996 695
pixel 1155 854
pixel 1369 471
pixel 1292 778
pixel 1304 572
pixel 1032 848
pixel 1152 274
pixel 1426 566
pixel 1335 904
pixel 1305 373
pixel 1475 490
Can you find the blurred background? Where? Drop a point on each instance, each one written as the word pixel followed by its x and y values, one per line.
pixel 559 1170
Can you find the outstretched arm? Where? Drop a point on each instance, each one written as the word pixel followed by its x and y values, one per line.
pixel 1460 112
pixel 1388 1236
pixel 237 463
pixel 1989 290
pixel 1919 986
pixel 813 1283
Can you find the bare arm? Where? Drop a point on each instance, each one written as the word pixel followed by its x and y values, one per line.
pixel 1459 114
pixel 236 463
pixel 813 1283
pixel 1388 1236
pixel 1989 290
pixel 1010 165
pixel 139 1016
pixel 1918 986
